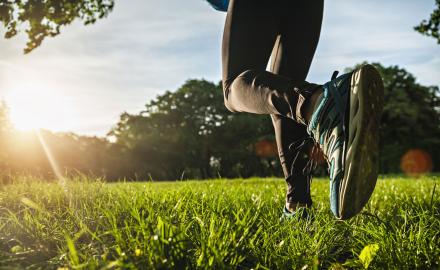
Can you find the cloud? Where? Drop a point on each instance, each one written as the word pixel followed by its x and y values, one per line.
pixel 375 31
pixel 146 47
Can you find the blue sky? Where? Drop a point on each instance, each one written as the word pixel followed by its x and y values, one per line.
pixel 83 79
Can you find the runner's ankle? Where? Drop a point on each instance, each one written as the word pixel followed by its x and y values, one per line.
pixel 292 207
pixel 311 104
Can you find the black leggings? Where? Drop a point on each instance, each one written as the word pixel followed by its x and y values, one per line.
pixel 288 32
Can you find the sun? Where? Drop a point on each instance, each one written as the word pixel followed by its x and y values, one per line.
pixel 34 108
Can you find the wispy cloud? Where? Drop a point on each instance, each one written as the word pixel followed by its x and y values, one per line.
pixel 379 31
pixel 146 47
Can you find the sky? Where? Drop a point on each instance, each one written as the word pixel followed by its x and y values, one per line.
pixel 83 79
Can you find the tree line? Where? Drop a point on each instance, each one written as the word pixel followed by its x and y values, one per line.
pixel 189 134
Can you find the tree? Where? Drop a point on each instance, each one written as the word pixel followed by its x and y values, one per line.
pixel 430 27
pixel 30 152
pixel 5 124
pixel 5 129
pixel 410 118
pixel 189 133
pixel 44 18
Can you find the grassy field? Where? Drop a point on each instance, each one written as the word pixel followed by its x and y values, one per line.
pixel 218 224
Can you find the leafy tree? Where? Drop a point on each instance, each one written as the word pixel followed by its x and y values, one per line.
pixel 5 128
pixel 72 154
pixel 5 124
pixel 411 118
pixel 44 18
pixel 189 133
pixel 23 152
pixel 430 27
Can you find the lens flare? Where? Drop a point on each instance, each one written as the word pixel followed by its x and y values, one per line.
pixel 265 148
pixel 52 161
pixel 416 162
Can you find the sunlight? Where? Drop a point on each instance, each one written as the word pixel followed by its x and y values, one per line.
pixel 33 107
pixel 52 160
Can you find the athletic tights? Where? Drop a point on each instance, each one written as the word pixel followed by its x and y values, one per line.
pixel 287 31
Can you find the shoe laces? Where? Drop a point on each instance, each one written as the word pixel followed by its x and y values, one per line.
pixel 300 145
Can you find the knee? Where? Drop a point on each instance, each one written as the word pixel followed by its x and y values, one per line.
pixel 232 88
pixel 228 105
pixel 226 96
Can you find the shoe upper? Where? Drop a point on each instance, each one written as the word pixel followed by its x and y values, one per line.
pixel 300 213
pixel 328 128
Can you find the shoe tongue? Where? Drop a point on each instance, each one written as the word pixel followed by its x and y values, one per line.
pixel 335 74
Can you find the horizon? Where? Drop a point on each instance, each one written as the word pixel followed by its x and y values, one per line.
pixel 83 79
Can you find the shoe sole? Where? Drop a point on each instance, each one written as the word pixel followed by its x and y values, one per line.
pixel 362 157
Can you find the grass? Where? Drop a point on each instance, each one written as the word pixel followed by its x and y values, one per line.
pixel 216 224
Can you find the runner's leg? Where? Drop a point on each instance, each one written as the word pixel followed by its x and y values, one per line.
pixel 291 57
pixel 250 32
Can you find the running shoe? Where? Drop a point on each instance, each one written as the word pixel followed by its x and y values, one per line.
pixel 299 213
pixel 345 124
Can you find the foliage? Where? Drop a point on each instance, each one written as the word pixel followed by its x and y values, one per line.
pixel 5 124
pixel 367 254
pixel 430 27
pixel 24 152
pixel 44 18
pixel 189 133
pixel 410 118
pixel 186 130
pixel 5 128
pixel 217 224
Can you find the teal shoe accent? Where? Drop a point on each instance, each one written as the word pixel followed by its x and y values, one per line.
pixel 346 125
pixel 328 128
pixel 300 213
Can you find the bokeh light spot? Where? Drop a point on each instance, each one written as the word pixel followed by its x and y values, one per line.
pixel 416 162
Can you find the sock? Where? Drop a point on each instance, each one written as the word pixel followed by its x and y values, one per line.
pixel 311 108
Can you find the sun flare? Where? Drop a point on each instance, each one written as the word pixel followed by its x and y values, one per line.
pixel 37 107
